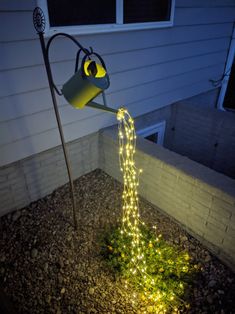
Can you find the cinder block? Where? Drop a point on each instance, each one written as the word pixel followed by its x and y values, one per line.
pixel 16 185
pixel 47 186
pixel 231 223
pixel 7 197
pixel 31 168
pixel 4 191
pixel 231 231
pixel 168 180
pixel 60 163
pixel 218 223
pixel 150 180
pixel 35 195
pixel 228 245
pixel 50 161
pixel 32 178
pixel 20 195
pixel 222 208
pixel 208 188
pixel 229 198
pixel 6 203
pixel 41 173
pixel 213 234
pixel 5 171
pixel 186 185
pixel 183 190
pixel 202 197
pixel 181 211
pixel 18 188
pixel 16 174
pixel 185 176
pixel 21 202
pixel 48 155
pixel 172 206
pixel 7 207
pixel 5 185
pixel 199 210
pixel 3 179
pixel 196 223
pixel 183 197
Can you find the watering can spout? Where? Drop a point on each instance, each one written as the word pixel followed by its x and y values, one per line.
pixel 95 105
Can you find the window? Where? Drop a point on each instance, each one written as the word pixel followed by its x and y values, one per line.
pixel 154 133
pixel 84 12
pixel 142 11
pixel 92 16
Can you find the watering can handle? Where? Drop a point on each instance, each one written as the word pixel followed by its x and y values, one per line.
pixel 88 56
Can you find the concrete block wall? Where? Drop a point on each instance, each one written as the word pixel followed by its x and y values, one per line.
pixel 37 176
pixel 200 199
pixel 204 134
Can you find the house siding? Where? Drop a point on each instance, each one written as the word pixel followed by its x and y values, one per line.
pixel 148 69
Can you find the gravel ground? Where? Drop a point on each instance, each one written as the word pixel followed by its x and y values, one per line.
pixel 47 267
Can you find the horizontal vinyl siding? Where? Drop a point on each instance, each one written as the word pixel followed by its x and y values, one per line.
pixel 19 128
pixel 194 16
pixel 205 3
pixel 148 69
pixel 16 5
pixel 63 50
pixel 19 80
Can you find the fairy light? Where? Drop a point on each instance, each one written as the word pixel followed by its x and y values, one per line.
pixel 130 218
pixel 131 224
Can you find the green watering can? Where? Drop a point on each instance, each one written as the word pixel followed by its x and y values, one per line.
pixel 87 83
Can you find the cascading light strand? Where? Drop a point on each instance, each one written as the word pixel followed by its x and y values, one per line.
pixel 131 217
pixel 131 222
pixel 145 259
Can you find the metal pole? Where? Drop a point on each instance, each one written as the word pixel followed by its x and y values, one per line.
pixel 54 101
pixel 39 24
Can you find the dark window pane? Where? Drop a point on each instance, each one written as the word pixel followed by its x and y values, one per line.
pixel 140 11
pixel 81 12
pixel 229 100
pixel 152 137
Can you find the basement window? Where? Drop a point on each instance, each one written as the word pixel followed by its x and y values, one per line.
pixel 84 17
pixel 154 133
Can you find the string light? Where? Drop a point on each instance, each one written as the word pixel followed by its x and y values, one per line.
pixel 137 251
pixel 130 218
pixel 131 223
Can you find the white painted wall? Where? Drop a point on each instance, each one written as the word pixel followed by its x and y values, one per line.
pixel 148 69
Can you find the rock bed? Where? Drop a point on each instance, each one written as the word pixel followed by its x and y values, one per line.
pixel 47 267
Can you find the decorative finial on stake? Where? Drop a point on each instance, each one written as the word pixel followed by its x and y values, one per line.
pixel 39 21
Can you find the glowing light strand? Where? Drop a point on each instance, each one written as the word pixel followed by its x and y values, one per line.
pixel 131 217
pixel 131 223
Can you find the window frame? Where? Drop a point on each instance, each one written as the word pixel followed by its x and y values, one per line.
pixel 104 28
pixel 159 128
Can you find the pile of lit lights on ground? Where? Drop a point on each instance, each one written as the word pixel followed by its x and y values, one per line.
pixel 156 270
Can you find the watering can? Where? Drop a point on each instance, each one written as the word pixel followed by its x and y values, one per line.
pixel 87 83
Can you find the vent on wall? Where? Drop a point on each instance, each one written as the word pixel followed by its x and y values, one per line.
pixel 154 133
